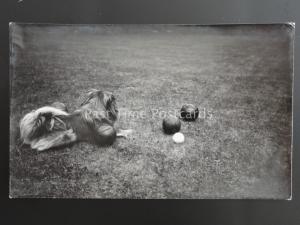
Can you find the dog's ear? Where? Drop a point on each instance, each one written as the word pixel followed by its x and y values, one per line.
pixel 92 91
pixel 88 96
pixel 110 104
pixel 108 98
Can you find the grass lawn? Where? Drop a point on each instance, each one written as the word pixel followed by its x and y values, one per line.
pixel 241 75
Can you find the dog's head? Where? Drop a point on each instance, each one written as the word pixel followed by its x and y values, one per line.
pixel 32 126
pixel 101 101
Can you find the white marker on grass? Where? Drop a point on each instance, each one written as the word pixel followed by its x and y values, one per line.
pixel 178 137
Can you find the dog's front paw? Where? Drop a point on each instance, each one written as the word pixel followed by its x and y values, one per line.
pixel 124 133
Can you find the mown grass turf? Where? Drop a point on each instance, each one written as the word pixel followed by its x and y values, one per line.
pixel 240 75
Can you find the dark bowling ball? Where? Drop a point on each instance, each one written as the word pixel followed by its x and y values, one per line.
pixel 171 125
pixel 189 112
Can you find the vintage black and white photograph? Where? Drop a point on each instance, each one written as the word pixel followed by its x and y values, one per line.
pixel 151 111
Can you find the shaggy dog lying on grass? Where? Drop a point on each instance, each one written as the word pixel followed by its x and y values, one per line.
pixel 52 126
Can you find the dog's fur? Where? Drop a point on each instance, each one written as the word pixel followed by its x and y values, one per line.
pixel 52 126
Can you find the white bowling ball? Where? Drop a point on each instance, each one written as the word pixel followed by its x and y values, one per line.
pixel 178 137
